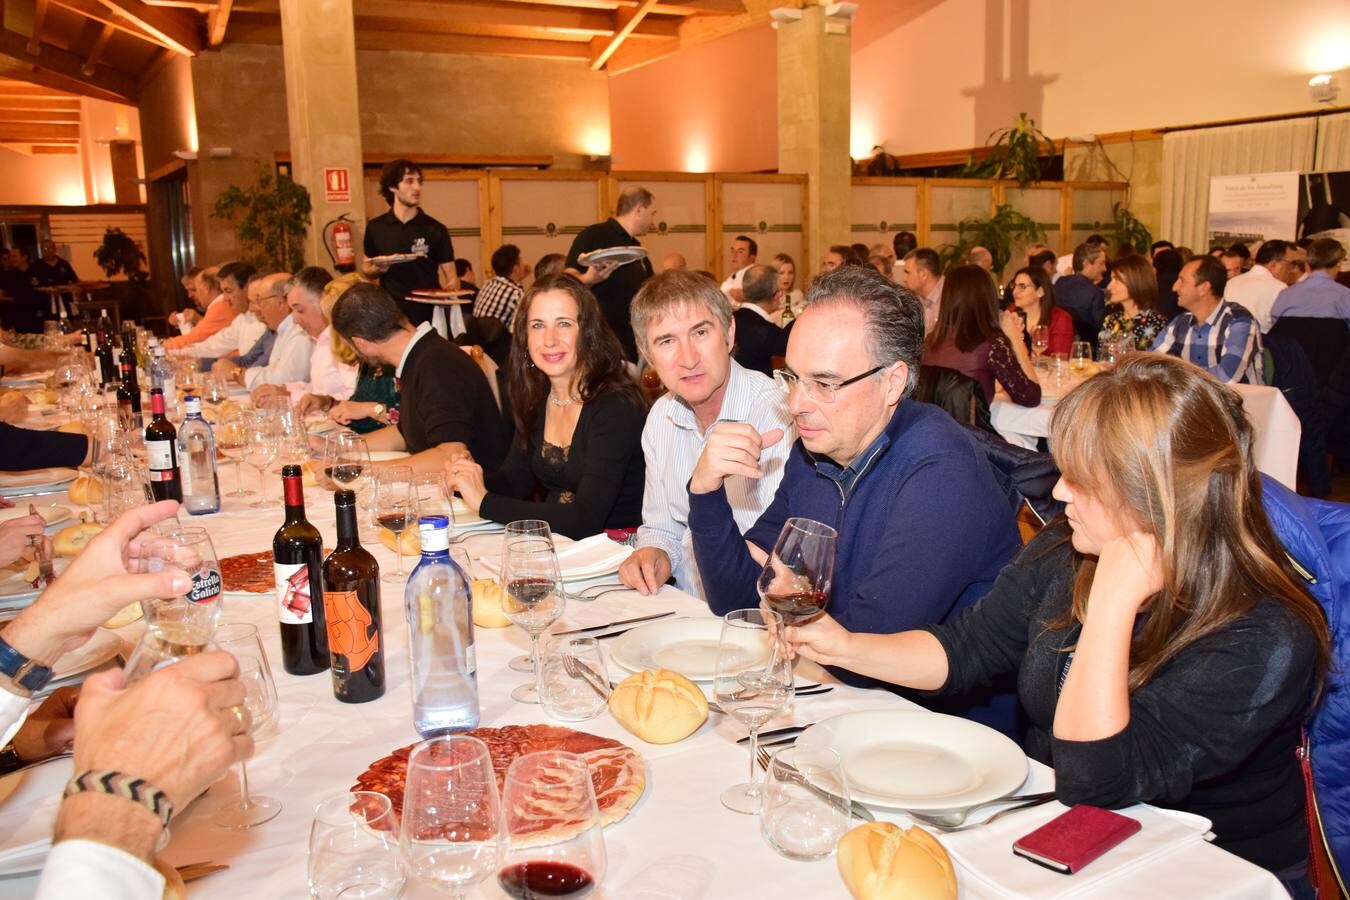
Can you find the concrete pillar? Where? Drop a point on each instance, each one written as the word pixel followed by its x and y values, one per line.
pixel 319 49
pixel 813 117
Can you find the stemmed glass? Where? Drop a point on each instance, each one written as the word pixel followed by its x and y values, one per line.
pixel 231 440
pixel 261 440
pixel 260 699
pixel 532 598
pixel 524 662
pixel 1080 357
pixel 1040 339
pixel 346 457
pixel 795 581
pixel 189 619
pixel 292 439
pixel 353 849
pixel 544 859
pixel 451 834
pixel 753 683
pixel 434 496
pixel 396 509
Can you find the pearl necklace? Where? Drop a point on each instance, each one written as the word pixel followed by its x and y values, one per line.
pixel 559 402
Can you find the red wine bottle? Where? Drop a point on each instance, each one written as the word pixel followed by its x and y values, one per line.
pixel 351 605
pixel 545 878
pixel 297 550
pixel 129 394
pixel 161 448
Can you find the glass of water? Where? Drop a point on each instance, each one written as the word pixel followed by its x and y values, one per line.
pixel 353 849
pixel 804 810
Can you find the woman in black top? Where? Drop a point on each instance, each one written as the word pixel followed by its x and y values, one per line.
pixel 1166 651
pixel 578 417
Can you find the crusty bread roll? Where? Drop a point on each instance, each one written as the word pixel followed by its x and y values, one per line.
pixel 412 543
pixel 659 706
pixel 69 541
pixel 882 861
pixel 487 604
pixel 309 473
pixel 86 490
pixel 73 427
pixel 174 889
pixel 44 395
pixel 125 616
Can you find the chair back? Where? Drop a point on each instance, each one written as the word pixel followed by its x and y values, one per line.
pixel 956 393
pixel 1326 342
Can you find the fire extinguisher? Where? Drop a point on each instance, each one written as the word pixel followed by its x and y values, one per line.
pixel 338 242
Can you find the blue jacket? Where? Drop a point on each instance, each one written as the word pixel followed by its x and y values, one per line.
pixel 923 534
pixel 1316 534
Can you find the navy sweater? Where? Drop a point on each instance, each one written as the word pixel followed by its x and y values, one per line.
pixel 923 535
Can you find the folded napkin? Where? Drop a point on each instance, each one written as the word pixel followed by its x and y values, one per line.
pixel 35 478
pixel 29 815
pixel 596 555
pixel 988 867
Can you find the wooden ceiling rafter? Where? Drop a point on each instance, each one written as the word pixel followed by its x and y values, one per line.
pixel 100 44
pixel 63 70
pixel 39 19
pixel 217 20
pixel 625 22
pixel 176 29
pixel 93 9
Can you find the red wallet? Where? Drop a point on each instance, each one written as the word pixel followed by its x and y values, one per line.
pixel 1073 839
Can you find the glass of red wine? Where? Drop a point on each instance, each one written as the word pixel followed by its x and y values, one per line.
pixel 396 509
pixel 514 530
pixel 452 826
pixel 533 598
pixel 795 582
pixel 555 845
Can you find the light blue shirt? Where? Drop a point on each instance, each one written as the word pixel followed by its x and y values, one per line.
pixel 1319 296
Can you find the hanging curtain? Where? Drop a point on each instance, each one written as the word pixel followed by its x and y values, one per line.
pixel 1333 144
pixel 1191 158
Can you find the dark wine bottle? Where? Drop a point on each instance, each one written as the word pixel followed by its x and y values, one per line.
pixel 297 550
pixel 161 448
pixel 351 605
pixel 105 354
pixel 129 394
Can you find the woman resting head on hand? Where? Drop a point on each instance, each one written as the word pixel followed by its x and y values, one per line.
pixel 1166 650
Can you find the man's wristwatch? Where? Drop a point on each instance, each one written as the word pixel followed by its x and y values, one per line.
pixel 28 675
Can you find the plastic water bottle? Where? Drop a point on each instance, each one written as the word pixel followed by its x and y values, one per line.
pixel 197 461
pixel 439 606
pixel 162 377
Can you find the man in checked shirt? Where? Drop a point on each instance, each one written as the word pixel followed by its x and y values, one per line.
pixel 498 298
pixel 1217 335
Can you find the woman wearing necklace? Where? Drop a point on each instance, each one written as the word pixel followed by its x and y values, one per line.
pixel 578 417
pixel 1131 297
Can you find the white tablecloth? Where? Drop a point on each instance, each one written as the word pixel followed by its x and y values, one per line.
pixel 1277 428
pixel 678 842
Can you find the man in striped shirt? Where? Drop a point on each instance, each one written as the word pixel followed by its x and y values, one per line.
pixel 498 298
pixel 1219 336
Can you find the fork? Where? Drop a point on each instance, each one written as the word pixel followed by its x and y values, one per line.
pixel 609 588
pixel 575 668
pixel 856 809
pixel 940 822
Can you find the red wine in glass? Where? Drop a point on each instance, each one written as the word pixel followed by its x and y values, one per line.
pixel 345 473
pixel 395 522
pixel 799 607
pixel 545 878
pixel 529 591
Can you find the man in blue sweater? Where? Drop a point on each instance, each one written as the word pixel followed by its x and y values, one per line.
pixel 924 528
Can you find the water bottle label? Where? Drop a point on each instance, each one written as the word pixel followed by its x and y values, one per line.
pixel 160 454
pixel 294 601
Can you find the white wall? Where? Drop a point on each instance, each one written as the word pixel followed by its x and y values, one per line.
pixel 1077 68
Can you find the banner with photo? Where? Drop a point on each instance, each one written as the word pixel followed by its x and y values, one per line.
pixel 1249 209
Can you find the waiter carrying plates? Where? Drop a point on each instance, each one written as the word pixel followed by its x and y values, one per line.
pixel 406 249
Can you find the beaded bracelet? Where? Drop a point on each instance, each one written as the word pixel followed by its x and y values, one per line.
pixel 137 790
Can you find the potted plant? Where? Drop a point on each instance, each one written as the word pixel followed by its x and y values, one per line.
pixel 998 234
pixel 270 218
pixel 120 255
pixel 1127 229
pixel 1014 153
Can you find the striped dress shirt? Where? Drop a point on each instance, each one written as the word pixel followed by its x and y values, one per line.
pixel 1227 344
pixel 672 443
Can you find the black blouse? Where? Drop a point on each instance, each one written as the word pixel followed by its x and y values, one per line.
pixel 593 484
pixel 1214 732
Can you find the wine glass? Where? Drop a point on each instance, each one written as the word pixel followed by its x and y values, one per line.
pixel 396 508
pixel 753 683
pixel 260 700
pixel 434 496
pixel 189 619
pixel 230 440
pixel 795 581
pixel 353 849
pixel 292 438
pixel 451 835
pixel 562 854
pixel 1079 357
pixel 346 457
pixel 532 598
pixel 153 653
pixel 1040 339
pixel 518 529
pixel 261 439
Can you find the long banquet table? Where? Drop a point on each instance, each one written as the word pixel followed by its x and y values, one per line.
pixel 678 843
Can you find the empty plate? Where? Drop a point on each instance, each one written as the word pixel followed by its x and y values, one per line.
pixel 687 646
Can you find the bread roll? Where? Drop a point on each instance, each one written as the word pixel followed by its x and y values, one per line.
pixel 882 861
pixel 45 396
pixel 659 706
pixel 487 604
pixel 73 427
pixel 69 541
pixel 86 490
pixel 412 543
pixel 125 616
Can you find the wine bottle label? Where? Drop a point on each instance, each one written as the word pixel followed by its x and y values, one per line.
pixel 349 629
pixel 160 454
pixel 294 603
pixel 205 587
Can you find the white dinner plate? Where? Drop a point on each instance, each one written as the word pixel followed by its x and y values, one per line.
pixel 620 255
pixel 913 759
pixel 50 514
pixel 100 648
pixel 16 591
pixel 35 480
pixel 687 646
pixel 388 455
pixel 28 816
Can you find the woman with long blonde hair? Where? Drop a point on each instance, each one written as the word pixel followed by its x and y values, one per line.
pixel 1166 650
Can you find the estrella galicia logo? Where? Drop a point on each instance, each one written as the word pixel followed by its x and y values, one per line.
pixel 205 587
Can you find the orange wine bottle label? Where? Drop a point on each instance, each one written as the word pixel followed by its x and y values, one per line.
pixel 349 629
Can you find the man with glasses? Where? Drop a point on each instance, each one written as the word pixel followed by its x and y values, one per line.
pixel 1255 290
pixel 924 527
pixel 288 359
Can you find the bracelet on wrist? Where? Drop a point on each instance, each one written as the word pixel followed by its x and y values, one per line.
pixel 128 787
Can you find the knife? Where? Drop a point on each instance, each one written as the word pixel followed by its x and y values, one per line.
pixel 778 732
pixel 591 628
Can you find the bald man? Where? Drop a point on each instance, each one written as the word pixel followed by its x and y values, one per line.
pixel 674 261
pixel 287 359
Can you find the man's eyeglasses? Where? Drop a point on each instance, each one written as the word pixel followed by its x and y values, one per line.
pixel 820 391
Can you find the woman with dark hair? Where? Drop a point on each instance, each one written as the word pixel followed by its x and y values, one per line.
pixel 578 417
pixel 1131 297
pixel 1167 265
pixel 1034 297
pixel 972 337
pixel 1166 649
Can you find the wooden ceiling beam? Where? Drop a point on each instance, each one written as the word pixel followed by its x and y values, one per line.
pixel 175 28
pixel 39 18
pixel 100 44
pixel 61 69
pixel 216 22
pixel 29 133
pixel 464 16
pixel 95 10
pixel 64 103
pixel 491 46
pixel 634 55
pixel 50 150
pixel 11 115
pixel 625 21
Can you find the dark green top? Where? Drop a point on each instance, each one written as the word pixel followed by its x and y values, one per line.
pixel 374 384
